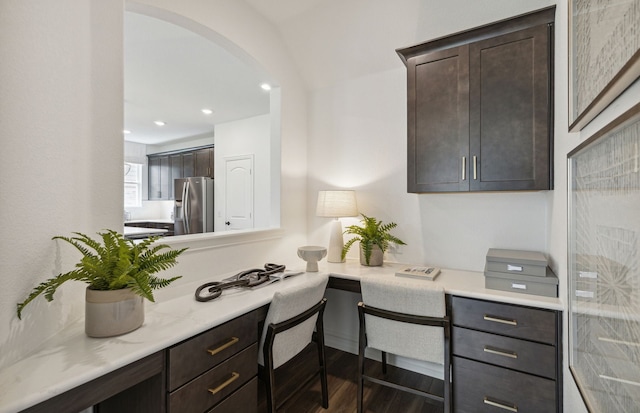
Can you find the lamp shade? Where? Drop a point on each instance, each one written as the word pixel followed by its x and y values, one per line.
pixel 335 204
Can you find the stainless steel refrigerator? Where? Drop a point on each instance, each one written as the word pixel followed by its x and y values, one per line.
pixel 193 209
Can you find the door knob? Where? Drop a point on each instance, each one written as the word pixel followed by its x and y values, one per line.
pixel 227 223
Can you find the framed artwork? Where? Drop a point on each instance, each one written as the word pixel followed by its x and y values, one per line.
pixel 604 55
pixel 604 266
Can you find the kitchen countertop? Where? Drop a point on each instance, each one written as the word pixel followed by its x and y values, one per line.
pixel 158 221
pixel 71 358
pixel 136 232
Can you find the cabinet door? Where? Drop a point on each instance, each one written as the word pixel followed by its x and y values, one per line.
pixel 159 173
pixel 510 111
pixel 175 169
pixel 204 162
pixel 188 165
pixel 438 121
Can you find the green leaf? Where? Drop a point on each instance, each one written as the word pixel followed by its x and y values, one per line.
pixel 372 232
pixel 112 263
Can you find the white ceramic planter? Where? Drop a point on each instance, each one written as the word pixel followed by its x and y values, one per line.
pixel 376 258
pixel 112 313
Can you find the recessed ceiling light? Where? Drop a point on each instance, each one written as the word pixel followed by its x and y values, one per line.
pixel 207 111
pixel 265 86
pixel 159 123
pixel 126 131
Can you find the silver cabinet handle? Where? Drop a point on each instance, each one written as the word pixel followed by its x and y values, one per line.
pixel 500 352
pixel 464 168
pixel 500 320
pixel 475 167
pixel 501 405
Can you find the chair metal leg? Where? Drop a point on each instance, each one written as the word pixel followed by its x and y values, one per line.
pixel 384 362
pixel 321 360
pixel 267 375
pixel 362 343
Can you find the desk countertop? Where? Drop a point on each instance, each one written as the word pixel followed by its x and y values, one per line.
pixel 455 282
pixel 71 358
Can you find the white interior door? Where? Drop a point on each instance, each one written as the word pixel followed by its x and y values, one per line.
pixel 239 192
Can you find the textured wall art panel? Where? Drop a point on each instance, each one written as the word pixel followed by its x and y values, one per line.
pixel 604 267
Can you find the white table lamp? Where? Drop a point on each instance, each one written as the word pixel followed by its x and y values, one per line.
pixel 336 204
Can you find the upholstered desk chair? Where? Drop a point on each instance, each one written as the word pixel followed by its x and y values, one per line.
pixel 288 329
pixel 406 318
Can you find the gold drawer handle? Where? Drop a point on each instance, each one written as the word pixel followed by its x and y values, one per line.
pixel 500 352
pixel 234 377
pixel 501 405
pixel 500 320
pixel 232 341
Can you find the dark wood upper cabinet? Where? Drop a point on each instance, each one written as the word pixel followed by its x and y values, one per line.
pixel 204 162
pixel 159 175
pixel 480 108
pixel 165 167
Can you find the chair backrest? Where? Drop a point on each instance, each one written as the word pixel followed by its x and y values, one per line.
pixel 414 297
pixel 285 305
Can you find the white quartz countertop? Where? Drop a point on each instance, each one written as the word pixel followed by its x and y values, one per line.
pixel 136 231
pixel 156 220
pixel 456 282
pixel 71 358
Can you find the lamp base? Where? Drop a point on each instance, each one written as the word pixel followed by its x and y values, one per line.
pixel 336 242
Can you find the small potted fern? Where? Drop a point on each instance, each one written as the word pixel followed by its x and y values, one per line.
pixel 374 240
pixel 120 274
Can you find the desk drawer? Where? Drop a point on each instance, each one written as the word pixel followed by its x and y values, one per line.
pixel 521 355
pixel 480 388
pixel 506 319
pixel 213 386
pixel 245 400
pixel 192 357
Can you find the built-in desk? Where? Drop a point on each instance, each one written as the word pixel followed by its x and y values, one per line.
pixel 72 366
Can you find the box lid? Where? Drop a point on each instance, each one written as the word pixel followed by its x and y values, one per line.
pixel 516 256
pixel 550 278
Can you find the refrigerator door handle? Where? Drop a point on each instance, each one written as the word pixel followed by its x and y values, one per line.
pixel 185 207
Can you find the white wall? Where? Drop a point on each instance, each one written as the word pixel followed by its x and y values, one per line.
pixel 61 115
pixel 250 136
pixel 357 118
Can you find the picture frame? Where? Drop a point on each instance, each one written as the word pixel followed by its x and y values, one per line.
pixel 604 55
pixel 604 266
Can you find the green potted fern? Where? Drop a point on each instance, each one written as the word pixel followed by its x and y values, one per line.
pixel 120 274
pixel 374 240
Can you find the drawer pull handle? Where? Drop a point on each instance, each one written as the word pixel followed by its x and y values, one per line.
pixel 500 352
pixel 232 341
pixel 501 405
pixel 500 320
pixel 234 377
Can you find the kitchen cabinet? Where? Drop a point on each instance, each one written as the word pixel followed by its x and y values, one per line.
pixel 165 167
pixel 480 108
pixel 159 177
pixel 204 162
pixel 505 357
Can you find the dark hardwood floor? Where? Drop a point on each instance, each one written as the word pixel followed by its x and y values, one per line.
pixel 342 370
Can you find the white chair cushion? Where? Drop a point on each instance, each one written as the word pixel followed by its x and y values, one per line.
pixel 415 297
pixel 286 304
